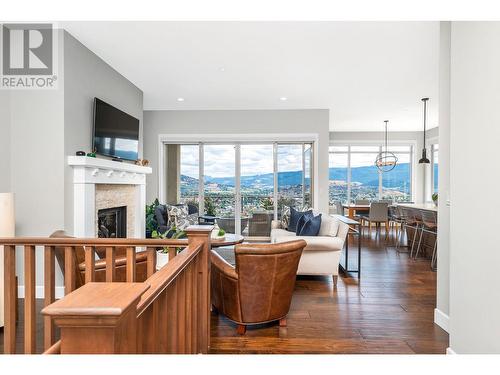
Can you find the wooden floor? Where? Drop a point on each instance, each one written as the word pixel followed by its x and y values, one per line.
pixel 390 310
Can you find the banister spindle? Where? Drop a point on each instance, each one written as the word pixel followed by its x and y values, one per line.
pixel 69 270
pixel 29 300
pixel 49 295
pixel 110 264
pixel 151 262
pixel 130 264
pixel 89 264
pixel 10 300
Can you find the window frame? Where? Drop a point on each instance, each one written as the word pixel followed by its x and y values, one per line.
pixel 275 140
pixel 349 144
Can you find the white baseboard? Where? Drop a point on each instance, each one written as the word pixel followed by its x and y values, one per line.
pixel 441 319
pixel 450 351
pixel 39 291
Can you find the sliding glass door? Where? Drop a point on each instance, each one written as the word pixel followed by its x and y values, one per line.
pixel 244 185
pixel 256 189
pixel 219 188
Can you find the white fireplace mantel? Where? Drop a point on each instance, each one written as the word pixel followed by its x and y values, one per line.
pixel 87 173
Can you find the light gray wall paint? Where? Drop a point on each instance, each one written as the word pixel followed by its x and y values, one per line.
pixel 237 122
pixel 88 76
pixel 49 125
pixel 443 249
pixel 37 163
pixel 421 171
pixel 474 178
pixel 5 185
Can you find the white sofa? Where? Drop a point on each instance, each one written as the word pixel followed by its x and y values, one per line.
pixel 321 256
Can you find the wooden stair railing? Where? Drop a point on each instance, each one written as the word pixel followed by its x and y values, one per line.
pixel 168 313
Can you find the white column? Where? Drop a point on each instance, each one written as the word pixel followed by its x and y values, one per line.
pixel 84 218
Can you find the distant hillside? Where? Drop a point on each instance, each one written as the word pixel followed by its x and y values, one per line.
pixel 367 176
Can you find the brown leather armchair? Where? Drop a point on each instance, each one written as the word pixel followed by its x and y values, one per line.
pixel 259 289
pixel 100 264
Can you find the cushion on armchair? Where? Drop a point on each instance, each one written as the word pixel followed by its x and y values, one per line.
pixel 179 216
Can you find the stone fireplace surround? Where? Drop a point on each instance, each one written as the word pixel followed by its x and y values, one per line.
pixel 102 183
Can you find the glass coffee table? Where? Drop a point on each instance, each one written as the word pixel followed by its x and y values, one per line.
pixel 229 239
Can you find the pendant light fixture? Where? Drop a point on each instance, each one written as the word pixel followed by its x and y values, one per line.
pixel 386 161
pixel 424 159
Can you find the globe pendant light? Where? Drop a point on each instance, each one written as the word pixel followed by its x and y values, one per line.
pixel 424 159
pixel 386 161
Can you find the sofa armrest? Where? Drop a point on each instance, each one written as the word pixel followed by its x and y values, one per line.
pixel 224 267
pixel 275 224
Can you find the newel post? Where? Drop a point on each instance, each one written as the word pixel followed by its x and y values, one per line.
pixel 200 234
pixel 98 318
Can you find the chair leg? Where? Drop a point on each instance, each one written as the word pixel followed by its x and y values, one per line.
pixel 419 242
pixel 434 256
pixel 241 329
pixel 283 322
pixel 335 279
pixel 413 241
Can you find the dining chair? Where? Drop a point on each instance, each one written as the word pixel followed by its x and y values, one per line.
pixel 429 225
pixel 412 220
pixel 378 214
pixel 362 202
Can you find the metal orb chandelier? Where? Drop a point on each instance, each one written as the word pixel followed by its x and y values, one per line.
pixel 386 161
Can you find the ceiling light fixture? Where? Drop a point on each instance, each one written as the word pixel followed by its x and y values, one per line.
pixel 180 99
pixel 283 98
pixel 386 161
pixel 424 159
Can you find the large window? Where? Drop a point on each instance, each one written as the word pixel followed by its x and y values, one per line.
pixel 435 167
pixel 244 185
pixel 354 176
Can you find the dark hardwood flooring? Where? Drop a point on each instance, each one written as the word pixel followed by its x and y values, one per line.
pixel 391 310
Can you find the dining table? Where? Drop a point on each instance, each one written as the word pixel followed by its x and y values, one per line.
pixel 352 209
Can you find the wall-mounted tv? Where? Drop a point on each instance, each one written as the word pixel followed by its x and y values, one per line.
pixel 116 133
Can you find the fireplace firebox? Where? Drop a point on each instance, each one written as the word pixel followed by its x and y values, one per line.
pixel 112 222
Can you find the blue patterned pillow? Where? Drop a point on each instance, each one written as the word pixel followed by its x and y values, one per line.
pixel 311 226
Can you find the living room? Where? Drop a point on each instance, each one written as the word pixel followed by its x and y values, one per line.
pixel 290 198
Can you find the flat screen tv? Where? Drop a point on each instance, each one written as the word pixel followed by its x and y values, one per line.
pixel 116 133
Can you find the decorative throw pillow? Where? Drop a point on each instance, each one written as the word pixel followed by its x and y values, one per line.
pixel 302 221
pixel 285 217
pixel 294 218
pixel 311 226
pixel 178 215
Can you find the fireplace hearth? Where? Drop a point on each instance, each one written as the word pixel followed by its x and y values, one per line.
pixel 112 222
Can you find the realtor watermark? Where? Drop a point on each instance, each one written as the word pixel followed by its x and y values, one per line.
pixel 28 56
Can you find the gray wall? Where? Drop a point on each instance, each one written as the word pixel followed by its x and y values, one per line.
pixel 37 162
pixel 443 249
pixel 48 125
pixel 4 141
pixel 474 178
pixel 237 122
pixel 87 76
pixel 422 172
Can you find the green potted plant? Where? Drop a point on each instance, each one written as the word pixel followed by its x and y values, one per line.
pixel 209 207
pixel 162 253
pixel 435 198
pixel 151 223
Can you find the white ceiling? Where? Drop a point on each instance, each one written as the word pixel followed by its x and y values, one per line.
pixel 364 72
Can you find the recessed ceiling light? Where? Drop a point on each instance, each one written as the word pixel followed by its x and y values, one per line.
pixel 222 69
pixel 283 98
pixel 180 99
